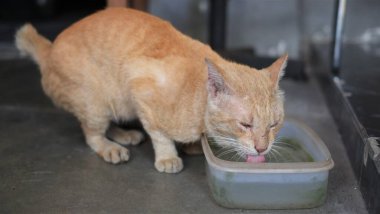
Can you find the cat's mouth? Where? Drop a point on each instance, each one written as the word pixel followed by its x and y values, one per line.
pixel 255 159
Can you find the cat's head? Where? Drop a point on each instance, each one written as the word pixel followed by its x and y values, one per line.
pixel 245 105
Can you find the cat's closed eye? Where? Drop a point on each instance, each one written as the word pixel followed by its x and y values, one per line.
pixel 245 125
pixel 273 125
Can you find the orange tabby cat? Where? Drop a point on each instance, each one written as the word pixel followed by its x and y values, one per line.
pixel 119 64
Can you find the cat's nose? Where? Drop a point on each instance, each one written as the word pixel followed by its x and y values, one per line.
pixel 260 149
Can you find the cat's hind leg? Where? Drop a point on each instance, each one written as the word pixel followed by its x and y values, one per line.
pixel 192 148
pixel 124 137
pixel 95 137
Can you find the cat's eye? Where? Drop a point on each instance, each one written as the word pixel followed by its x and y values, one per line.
pixel 273 125
pixel 245 125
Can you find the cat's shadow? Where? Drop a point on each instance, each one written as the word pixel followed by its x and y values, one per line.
pixel 194 170
pixel 143 151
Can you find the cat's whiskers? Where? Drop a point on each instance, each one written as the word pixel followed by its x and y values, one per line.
pixel 247 149
pixel 228 151
pixel 225 141
pixel 269 154
pixel 224 138
pixel 275 156
pixel 235 156
pixel 280 141
pixel 220 150
pixel 282 147
pixel 279 154
pixel 289 151
pixel 287 145
pixel 233 144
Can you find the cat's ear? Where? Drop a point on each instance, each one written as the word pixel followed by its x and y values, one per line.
pixel 215 81
pixel 277 69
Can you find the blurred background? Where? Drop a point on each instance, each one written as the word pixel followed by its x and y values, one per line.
pixel 331 83
pixel 269 26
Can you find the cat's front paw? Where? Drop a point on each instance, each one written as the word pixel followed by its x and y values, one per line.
pixel 114 153
pixel 169 165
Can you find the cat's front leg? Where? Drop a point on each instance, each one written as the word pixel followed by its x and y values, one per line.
pixel 166 156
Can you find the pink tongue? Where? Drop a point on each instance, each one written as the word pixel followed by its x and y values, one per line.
pixel 255 159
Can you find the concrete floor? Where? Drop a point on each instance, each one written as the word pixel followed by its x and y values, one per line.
pixel 46 167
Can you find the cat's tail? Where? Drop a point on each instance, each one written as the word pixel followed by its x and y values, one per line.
pixel 29 42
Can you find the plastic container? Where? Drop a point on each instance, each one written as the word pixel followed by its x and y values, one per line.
pixel 272 185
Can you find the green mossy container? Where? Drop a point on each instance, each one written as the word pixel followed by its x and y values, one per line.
pixel 293 185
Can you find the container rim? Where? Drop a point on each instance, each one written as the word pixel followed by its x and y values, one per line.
pixel 298 167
